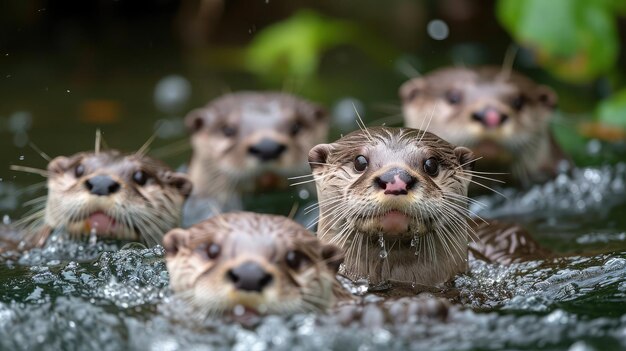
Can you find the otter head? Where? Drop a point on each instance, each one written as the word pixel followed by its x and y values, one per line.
pixel 262 264
pixel 128 197
pixel 251 141
pixel 395 200
pixel 501 116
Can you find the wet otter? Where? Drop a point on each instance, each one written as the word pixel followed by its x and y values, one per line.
pixel 502 116
pixel 394 199
pixel 109 194
pixel 264 264
pixel 249 141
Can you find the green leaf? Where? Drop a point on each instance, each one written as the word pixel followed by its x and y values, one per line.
pixel 612 111
pixel 294 46
pixel 575 39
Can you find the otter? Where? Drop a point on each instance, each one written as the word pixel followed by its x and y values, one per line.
pixel 110 195
pixel 502 116
pixel 395 200
pixel 263 264
pixel 249 142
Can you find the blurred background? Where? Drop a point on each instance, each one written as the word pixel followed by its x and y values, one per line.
pixel 133 67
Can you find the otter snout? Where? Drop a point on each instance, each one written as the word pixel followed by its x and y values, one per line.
pixel 102 185
pixel 267 149
pixel 249 276
pixel 396 181
pixel 490 117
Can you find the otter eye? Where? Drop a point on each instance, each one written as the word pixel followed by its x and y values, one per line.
pixel 295 128
pixel 229 131
pixel 360 163
pixel 295 259
pixel 213 251
pixel 431 167
pixel 140 177
pixel 519 102
pixel 454 97
pixel 79 171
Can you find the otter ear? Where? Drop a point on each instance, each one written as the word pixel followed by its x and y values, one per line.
pixel 174 240
pixel 411 89
pixel 320 113
pixel 333 257
pixel 465 157
pixel 180 181
pixel 58 164
pixel 547 96
pixel 318 155
pixel 197 119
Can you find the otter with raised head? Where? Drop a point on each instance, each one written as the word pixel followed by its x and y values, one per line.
pixel 263 264
pixel 112 195
pixel 502 116
pixel 248 142
pixel 394 199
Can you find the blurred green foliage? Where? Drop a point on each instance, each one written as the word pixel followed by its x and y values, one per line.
pixel 612 111
pixel 576 40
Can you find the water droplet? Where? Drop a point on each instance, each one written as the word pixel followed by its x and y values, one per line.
pixel 6 219
pixel 383 254
pixel 21 158
pixel 437 29
pixel 303 194
pixel 93 238
pixel 381 240
pixel 361 287
pixel 239 310
pixel 67 91
pixel 414 241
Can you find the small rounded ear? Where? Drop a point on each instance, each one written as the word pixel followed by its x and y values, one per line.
pixel 318 155
pixel 333 257
pixel 174 240
pixel 466 157
pixel 180 181
pixel 58 164
pixel 547 96
pixel 411 89
pixel 197 119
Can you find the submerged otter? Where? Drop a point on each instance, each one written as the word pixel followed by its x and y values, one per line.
pixel 502 116
pixel 109 194
pixel 263 264
pixel 395 200
pixel 247 142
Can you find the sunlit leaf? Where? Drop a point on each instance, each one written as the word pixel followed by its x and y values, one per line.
pixel 575 39
pixel 612 111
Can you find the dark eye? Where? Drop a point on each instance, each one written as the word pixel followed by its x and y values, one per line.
pixel 360 163
pixel 140 177
pixel 213 251
pixel 454 97
pixel 519 102
pixel 229 131
pixel 295 259
pixel 295 128
pixel 431 167
pixel 79 171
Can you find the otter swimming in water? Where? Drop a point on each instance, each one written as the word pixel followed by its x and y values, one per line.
pixel 249 142
pixel 264 264
pixel 394 199
pixel 110 195
pixel 502 116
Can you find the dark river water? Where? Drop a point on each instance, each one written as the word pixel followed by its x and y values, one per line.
pixel 74 297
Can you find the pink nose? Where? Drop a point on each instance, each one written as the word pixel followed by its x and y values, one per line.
pixel 490 117
pixel 395 182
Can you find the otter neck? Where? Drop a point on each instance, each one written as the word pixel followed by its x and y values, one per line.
pixel 213 184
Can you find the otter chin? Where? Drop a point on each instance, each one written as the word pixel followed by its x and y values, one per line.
pixel 502 116
pixel 395 200
pixel 244 264
pixel 110 195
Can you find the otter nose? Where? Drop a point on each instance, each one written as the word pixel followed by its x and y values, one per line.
pixel 490 117
pixel 249 277
pixel 267 149
pixel 102 185
pixel 396 182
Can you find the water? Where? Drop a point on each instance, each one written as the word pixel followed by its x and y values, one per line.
pixel 77 297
